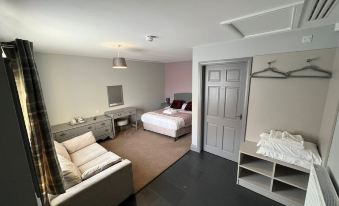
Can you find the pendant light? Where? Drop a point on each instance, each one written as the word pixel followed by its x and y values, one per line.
pixel 119 62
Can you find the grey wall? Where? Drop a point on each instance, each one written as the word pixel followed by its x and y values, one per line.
pixel 15 177
pixel 330 111
pixel 329 126
pixel 333 164
pixel 323 37
pixel 76 86
pixel 294 104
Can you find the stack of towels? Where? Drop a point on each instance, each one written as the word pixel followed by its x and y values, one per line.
pixel 289 148
pixel 170 111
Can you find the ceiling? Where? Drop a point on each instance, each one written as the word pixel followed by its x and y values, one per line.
pixel 95 28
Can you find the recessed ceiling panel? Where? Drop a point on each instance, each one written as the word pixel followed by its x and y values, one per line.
pixel 266 22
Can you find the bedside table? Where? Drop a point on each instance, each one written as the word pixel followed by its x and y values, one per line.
pixel 164 104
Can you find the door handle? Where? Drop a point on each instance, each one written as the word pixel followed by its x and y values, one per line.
pixel 240 117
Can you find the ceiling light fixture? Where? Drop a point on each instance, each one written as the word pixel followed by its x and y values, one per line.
pixel 150 38
pixel 119 62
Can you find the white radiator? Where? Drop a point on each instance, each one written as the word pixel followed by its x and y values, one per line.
pixel 320 190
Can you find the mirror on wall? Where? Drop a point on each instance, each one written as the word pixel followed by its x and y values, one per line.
pixel 115 95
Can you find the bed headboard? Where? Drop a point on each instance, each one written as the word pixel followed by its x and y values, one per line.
pixel 187 97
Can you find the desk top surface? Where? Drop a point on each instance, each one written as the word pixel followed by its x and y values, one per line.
pixel 120 110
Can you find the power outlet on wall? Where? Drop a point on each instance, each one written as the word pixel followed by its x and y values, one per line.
pixel 307 39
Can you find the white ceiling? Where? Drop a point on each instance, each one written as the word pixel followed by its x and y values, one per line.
pixel 95 28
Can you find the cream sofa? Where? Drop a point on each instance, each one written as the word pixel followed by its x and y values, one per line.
pixel 106 179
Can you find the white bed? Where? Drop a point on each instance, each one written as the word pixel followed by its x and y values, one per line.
pixel 173 126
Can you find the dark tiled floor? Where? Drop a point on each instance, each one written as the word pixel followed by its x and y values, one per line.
pixel 198 179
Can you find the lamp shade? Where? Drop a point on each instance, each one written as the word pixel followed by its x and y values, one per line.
pixel 119 63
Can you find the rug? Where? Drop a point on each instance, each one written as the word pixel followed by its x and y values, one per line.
pixel 149 152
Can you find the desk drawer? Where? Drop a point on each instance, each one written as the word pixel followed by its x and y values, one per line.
pixel 103 124
pixel 131 112
pixel 124 114
pixel 106 130
pixel 65 135
pixel 120 114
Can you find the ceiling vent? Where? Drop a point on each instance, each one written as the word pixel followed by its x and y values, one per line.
pixel 318 9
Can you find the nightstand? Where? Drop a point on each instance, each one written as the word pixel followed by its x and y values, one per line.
pixel 164 104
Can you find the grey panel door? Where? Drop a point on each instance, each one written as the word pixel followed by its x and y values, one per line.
pixel 224 106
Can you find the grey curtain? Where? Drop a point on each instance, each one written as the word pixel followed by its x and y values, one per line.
pixel 22 63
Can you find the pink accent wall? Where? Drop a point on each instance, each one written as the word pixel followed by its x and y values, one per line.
pixel 178 78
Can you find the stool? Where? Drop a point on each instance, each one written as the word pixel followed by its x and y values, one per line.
pixel 121 123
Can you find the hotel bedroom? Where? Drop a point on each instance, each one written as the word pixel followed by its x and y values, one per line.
pixel 144 87
pixel 222 104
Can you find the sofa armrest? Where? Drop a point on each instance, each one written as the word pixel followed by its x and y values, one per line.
pixel 109 187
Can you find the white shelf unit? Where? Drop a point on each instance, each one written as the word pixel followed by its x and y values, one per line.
pixel 277 180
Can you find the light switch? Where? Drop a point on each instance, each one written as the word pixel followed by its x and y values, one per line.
pixel 307 39
pixel 336 27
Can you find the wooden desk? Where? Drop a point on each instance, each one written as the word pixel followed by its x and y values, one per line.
pixel 122 113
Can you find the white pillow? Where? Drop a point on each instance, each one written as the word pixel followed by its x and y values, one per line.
pixel 183 106
pixel 79 142
pixel 70 172
pixel 61 150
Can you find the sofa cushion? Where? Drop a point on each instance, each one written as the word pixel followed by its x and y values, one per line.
pixel 70 172
pixel 98 164
pixel 79 142
pixel 61 150
pixel 87 154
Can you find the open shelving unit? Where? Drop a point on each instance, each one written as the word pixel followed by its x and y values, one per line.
pixel 277 180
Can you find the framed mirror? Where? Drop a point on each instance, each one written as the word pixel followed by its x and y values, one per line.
pixel 115 95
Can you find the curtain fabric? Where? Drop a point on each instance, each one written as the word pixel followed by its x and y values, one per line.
pixel 36 120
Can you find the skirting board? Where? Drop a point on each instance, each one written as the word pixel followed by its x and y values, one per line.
pixel 195 148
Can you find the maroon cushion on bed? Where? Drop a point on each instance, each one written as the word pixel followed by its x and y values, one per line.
pixel 188 106
pixel 177 104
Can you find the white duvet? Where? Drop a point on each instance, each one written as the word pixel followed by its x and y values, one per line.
pixel 164 121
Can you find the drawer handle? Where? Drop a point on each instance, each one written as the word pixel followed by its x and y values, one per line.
pixel 103 123
pixel 106 130
pixel 89 127
pixel 63 134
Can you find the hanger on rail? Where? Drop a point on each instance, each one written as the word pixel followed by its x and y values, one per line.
pixel 310 67
pixel 270 69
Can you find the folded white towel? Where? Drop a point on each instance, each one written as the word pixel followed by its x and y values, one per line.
pixel 282 138
pixel 293 139
pixel 170 111
pixel 275 134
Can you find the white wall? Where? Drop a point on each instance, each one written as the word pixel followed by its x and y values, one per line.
pixel 76 86
pixel 323 37
pixel 294 104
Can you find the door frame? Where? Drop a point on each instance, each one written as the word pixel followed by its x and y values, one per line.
pixel 202 72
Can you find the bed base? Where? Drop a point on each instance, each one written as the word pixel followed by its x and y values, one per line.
pixel 168 132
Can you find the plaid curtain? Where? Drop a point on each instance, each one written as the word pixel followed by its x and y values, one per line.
pixel 36 120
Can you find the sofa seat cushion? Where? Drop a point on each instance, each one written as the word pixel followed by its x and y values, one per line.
pixel 98 164
pixel 79 142
pixel 87 154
